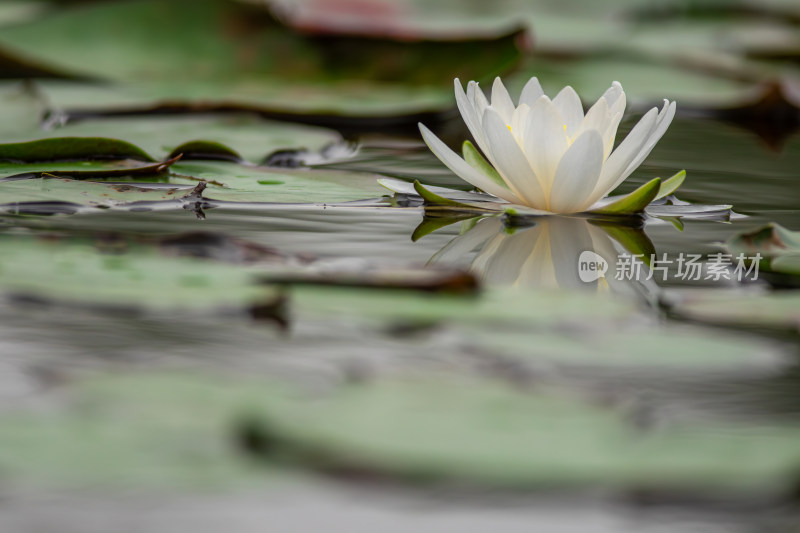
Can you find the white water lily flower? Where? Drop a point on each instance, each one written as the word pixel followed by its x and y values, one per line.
pixel 546 154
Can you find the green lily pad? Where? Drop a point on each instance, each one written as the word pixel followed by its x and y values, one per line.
pixel 16 11
pixel 227 182
pixel 499 307
pixel 646 81
pixel 25 195
pixel 82 272
pixel 779 248
pixel 204 60
pixel 637 351
pixel 70 149
pixel 468 431
pixel 164 432
pixel 334 102
pixel 254 184
pixel 246 136
pixel 771 240
pixel 774 312
pixel 87 170
pixel 447 429
pixel 22 108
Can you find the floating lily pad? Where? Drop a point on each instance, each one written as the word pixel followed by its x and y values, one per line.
pixel 141 431
pixel 446 430
pixel 70 149
pixel 507 306
pixel 252 184
pixel 772 240
pixel 138 277
pixel 242 45
pixel 246 136
pixel 646 82
pixel 778 247
pixel 22 108
pixel 461 430
pixel 636 350
pixel 86 170
pixel 775 312
pixel 24 195
pixel 228 182
pixel 335 102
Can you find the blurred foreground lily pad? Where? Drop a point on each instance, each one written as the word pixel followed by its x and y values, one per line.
pixel 463 430
pixel 98 274
pixel 777 311
pixel 151 430
pixel 533 329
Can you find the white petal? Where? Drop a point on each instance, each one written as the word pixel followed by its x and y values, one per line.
pixel 610 133
pixel 662 123
pixel 613 93
pixel 463 169
pixel 616 110
pixel 626 152
pixel 544 141
pixel 531 92
pixel 519 121
pixel 577 174
pixel 658 129
pixel 479 101
pixel 501 101
pixel 568 104
pixel 468 113
pixel 510 161
pixel 597 118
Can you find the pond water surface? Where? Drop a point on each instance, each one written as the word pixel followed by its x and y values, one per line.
pixel 46 344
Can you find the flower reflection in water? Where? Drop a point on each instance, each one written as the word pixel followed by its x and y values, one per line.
pixel 547 254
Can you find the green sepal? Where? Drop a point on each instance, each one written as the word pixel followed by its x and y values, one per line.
pixel 670 185
pixel 474 158
pixel 634 202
